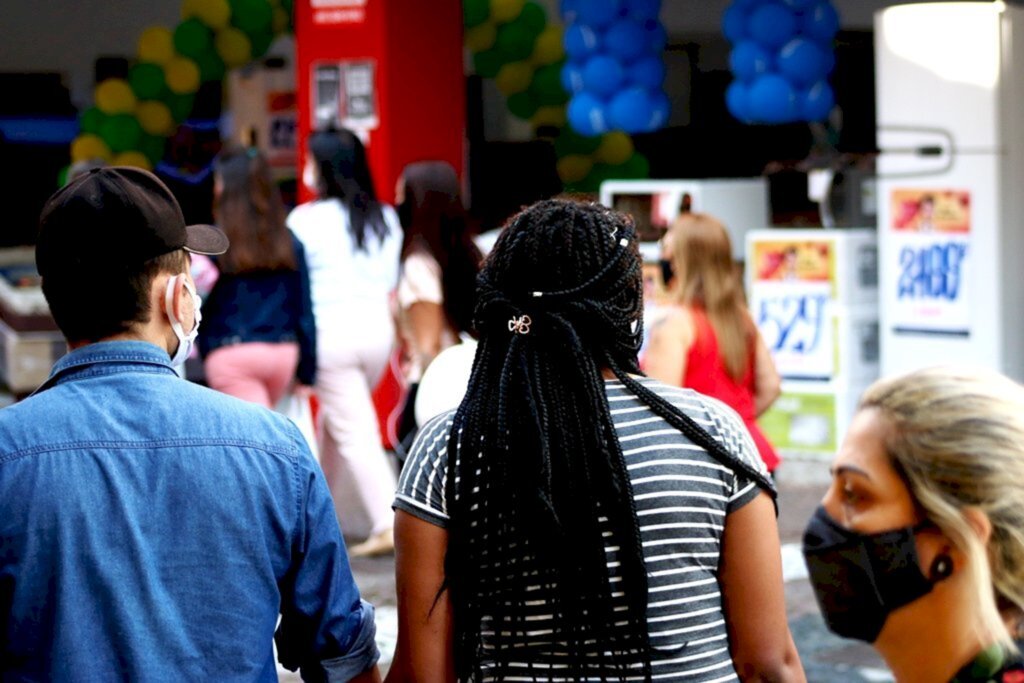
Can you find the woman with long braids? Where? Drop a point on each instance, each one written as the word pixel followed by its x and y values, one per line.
pixel 572 520
pixel 352 245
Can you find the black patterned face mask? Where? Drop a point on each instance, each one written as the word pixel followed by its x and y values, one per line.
pixel 859 579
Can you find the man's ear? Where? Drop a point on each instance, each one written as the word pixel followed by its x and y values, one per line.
pixel 160 294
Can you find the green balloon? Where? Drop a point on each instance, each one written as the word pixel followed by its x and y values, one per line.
pixel 252 16
pixel 635 168
pixel 570 142
pixel 522 105
pixel 62 176
pixel 147 80
pixel 121 132
pixel 489 62
pixel 261 43
pixel 180 106
pixel 515 41
pixel 192 38
pixel 533 18
pixel 91 120
pixel 547 85
pixel 211 66
pixel 152 146
pixel 475 12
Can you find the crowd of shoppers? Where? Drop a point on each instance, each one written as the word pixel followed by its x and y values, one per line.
pixel 572 519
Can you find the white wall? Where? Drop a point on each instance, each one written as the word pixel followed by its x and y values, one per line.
pixel 68 35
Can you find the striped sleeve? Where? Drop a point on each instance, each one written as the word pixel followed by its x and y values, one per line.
pixel 421 486
pixel 729 430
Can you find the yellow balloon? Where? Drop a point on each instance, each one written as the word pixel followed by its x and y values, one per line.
pixel 156 44
pixel 574 168
pixel 481 37
pixel 182 75
pixel 549 47
pixel 549 116
pixel 616 148
pixel 233 46
pixel 115 96
pixel 155 118
pixel 87 147
pixel 136 159
pixel 503 11
pixel 514 78
pixel 214 13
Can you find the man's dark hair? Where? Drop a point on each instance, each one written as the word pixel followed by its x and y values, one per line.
pixel 534 458
pixel 101 303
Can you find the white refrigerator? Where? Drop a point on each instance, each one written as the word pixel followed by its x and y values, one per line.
pixel 950 111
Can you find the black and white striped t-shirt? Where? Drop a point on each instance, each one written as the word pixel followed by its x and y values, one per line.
pixel 682 497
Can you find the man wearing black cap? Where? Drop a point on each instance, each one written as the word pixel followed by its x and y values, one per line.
pixel 152 529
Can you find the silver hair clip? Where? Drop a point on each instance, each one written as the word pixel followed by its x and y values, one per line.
pixel 520 325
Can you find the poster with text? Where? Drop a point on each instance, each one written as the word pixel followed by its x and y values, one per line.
pixel 791 301
pixel 930 236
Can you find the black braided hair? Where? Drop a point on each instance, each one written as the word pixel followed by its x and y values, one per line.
pixel 536 474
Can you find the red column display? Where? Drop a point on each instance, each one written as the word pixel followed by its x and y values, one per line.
pixel 392 71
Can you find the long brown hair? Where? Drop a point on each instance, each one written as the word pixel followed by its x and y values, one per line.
pixel 250 212
pixel 706 277
pixel 435 221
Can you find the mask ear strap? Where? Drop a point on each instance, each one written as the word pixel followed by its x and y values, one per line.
pixel 169 300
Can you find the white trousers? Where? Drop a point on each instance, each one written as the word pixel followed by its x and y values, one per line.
pixel 349 365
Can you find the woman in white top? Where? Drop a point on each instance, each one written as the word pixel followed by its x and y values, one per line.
pixel 439 267
pixel 352 246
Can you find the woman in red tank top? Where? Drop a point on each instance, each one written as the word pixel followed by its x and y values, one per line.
pixel 707 340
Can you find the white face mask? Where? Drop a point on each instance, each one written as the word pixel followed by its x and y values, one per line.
pixel 185 341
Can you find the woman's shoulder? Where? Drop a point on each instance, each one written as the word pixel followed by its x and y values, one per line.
pixel 305 214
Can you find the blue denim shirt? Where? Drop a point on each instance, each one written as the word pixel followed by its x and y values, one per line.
pixel 153 530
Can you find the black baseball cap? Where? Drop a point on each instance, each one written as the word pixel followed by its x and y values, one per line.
pixel 116 216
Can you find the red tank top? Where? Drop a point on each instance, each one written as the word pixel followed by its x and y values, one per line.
pixel 707 373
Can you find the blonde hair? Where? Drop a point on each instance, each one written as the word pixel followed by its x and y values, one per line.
pixel 958 438
pixel 706 277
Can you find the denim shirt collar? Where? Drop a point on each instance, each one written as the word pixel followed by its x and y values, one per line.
pixel 128 354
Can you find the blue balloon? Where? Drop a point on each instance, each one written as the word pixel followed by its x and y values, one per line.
pixel 625 39
pixel 817 103
pixel 644 10
pixel 750 3
pixel 661 109
pixel 572 77
pixel 587 115
pixel 803 62
pixel 773 100
pixel 821 22
pixel 648 72
pixel 734 23
pixel 598 13
pixel 748 60
pixel 632 111
pixel 568 9
pixel 657 37
pixel 580 42
pixel 603 75
pixel 798 5
pixel 737 100
pixel 772 25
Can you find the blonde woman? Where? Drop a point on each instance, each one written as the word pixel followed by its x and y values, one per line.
pixel 918 546
pixel 707 340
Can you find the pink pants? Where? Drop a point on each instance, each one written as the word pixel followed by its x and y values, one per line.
pixel 253 371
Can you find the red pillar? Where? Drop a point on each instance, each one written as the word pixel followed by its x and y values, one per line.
pixel 402 62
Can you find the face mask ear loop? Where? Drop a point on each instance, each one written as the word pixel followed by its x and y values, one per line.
pixel 169 304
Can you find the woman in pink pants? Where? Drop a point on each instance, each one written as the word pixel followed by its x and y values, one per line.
pixel 258 334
